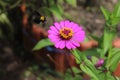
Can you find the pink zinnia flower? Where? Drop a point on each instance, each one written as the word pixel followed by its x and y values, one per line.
pixel 66 34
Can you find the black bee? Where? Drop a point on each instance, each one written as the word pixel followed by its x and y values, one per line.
pixel 37 17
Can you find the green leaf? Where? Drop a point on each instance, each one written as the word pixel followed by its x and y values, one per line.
pixel 107 40
pixel 91 66
pixel 68 76
pixel 99 40
pixel 27 73
pixel 2 3
pixel 42 43
pixel 94 59
pixel 105 12
pixel 114 59
pixel 35 67
pixel 95 37
pixel 115 21
pixel 76 54
pixel 45 10
pixel 60 1
pixel 68 16
pixel 15 4
pixel 57 11
pixel 117 78
pixel 72 2
pixel 76 70
pixel 91 52
pixel 77 77
pixel 86 39
pixel 60 9
pixel 5 21
pixel 88 71
pixel 51 2
pixel 109 76
pixel 116 11
pixel 114 65
pixel 103 76
pixel 106 76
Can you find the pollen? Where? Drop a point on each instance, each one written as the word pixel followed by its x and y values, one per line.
pixel 66 33
pixel 42 18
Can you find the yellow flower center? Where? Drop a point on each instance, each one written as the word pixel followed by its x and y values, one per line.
pixel 66 33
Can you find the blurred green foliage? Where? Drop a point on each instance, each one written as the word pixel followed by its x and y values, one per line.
pixel 6 27
pixel 53 9
pixel 41 72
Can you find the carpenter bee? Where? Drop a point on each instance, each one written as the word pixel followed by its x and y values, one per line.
pixel 38 18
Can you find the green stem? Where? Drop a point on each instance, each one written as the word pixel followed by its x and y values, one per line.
pixel 108 36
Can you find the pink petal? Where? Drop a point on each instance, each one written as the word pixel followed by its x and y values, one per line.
pixel 72 46
pixel 57 25
pixel 67 23
pixel 79 35
pixel 62 44
pixel 54 38
pixel 62 24
pixel 51 32
pixel 71 24
pixel 75 43
pixel 57 45
pixel 76 28
pixel 81 32
pixel 68 45
pixel 78 39
pixel 53 29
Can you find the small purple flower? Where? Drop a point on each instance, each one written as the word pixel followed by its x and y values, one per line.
pixel 66 34
pixel 99 63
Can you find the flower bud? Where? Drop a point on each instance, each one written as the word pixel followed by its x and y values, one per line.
pixel 99 63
